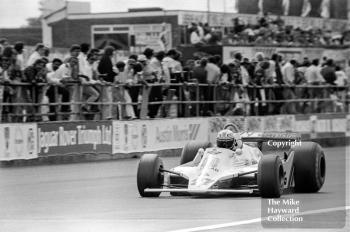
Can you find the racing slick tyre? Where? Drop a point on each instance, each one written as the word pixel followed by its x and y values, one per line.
pixel 270 176
pixel 190 151
pixel 149 175
pixel 309 167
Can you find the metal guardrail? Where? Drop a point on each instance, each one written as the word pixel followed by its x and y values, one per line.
pixel 27 102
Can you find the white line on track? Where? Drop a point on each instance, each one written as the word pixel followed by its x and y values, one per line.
pixel 251 221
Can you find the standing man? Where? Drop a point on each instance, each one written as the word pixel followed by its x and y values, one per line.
pixel 37 54
pixel 213 76
pixel 105 68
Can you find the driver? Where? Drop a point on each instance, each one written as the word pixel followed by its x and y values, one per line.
pixel 233 141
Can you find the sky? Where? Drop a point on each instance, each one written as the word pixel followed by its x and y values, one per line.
pixel 15 12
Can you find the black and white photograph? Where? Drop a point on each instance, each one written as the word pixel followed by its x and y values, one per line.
pixel 174 115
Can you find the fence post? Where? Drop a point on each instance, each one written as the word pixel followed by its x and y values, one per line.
pixel 197 99
pixel 144 104
pixel 75 100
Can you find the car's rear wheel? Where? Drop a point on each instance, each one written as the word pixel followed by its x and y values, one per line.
pixel 149 174
pixel 309 167
pixel 270 176
pixel 190 150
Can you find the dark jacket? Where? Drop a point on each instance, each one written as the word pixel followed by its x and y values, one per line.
pixel 105 67
pixel 328 74
pixel 200 74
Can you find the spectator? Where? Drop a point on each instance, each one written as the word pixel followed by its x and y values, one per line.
pixel 195 38
pixel 50 93
pixel 7 76
pixel 328 72
pixel 213 76
pixel 19 46
pixel 200 73
pixel 157 65
pixel 46 53
pixel 313 77
pixel 61 77
pixel 169 64
pixel 224 90
pixel 260 79
pixel 88 79
pixel 341 82
pixel 313 74
pixel 74 51
pixel 37 54
pixel 3 44
pixel 213 71
pixel 105 68
pixel 35 74
pixel 341 79
pixel 122 78
pixel 83 60
pixel 200 30
pixel 288 72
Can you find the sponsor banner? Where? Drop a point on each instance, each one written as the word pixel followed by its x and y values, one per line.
pixel 151 135
pixel 75 137
pixel 323 125
pixel 18 141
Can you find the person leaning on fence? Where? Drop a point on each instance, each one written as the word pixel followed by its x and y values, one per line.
pixel 35 75
pixel 88 78
pixel 51 68
pixel 9 74
pixel 62 77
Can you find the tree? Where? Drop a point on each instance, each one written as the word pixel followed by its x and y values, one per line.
pixel 33 22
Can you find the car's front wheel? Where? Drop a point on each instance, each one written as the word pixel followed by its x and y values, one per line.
pixel 149 174
pixel 270 176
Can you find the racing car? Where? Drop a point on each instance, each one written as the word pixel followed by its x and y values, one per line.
pixel 215 170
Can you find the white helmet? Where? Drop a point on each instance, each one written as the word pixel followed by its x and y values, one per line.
pixel 228 139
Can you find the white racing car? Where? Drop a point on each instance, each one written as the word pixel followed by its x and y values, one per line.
pixel 237 165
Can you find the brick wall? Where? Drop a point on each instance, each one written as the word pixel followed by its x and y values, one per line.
pixel 68 32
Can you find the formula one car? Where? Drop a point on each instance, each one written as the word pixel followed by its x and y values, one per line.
pixel 208 170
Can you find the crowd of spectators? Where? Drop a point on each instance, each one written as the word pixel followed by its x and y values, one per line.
pixel 282 80
pixel 224 89
pixel 267 30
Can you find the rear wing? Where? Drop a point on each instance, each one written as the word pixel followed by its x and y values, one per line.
pixel 261 137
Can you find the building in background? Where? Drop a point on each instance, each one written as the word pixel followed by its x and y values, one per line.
pixel 73 23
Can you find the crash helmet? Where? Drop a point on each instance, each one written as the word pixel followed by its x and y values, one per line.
pixel 229 140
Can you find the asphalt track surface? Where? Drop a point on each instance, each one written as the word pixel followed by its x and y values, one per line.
pixel 98 197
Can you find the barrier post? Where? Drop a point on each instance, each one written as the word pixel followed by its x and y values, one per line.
pixel 197 99
pixel 214 99
pixel 144 104
pixel 75 95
